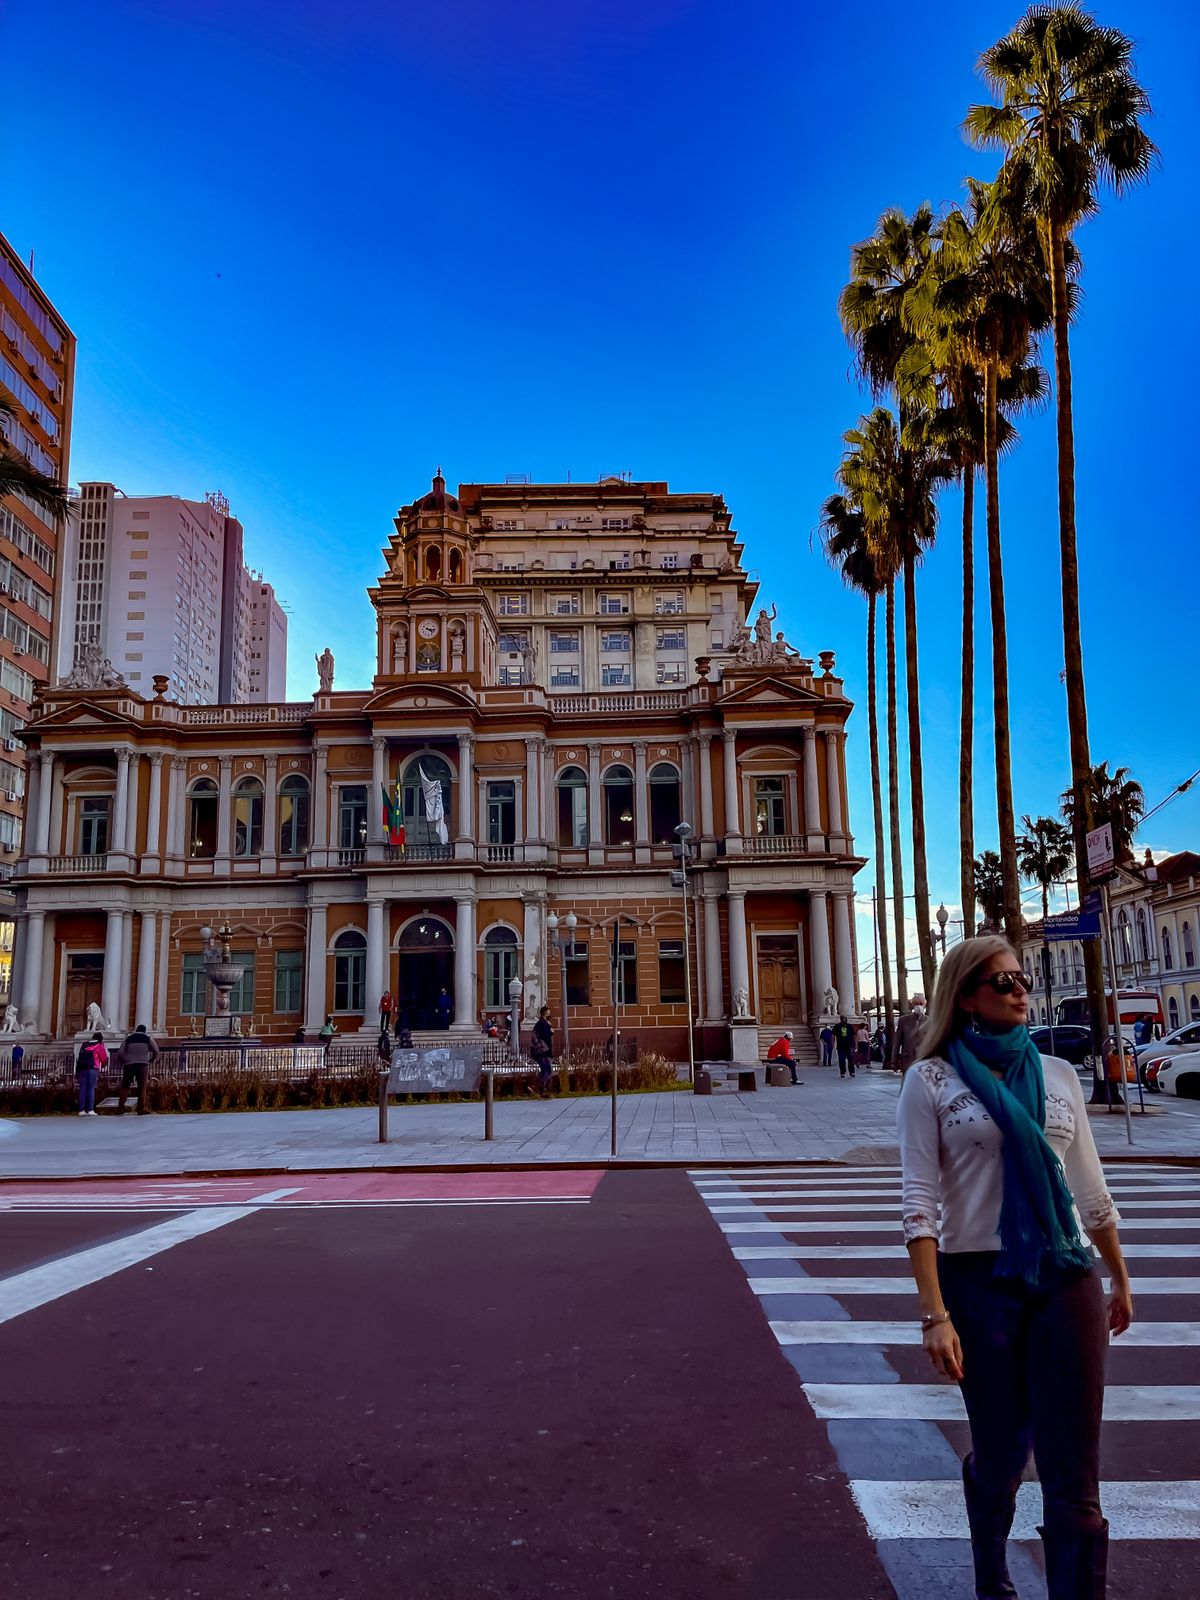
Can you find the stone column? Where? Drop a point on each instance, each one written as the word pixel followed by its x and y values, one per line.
pixel 154 819
pixel 843 951
pixel 534 956
pixel 704 762
pixel 464 962
pixel 466 788
pixel 41 838
pixel 110 983
pixel 714 996
pixel 375 800
pixel 17 971
pixel 533 811
pixel 641 796
pixel 595 815
pixel 176 843
pixel 30 809
pixel 733 825
pixel 270 847
pixel 164 965
pixel 125 995
pixel 147 957
pixel 121 804
pixel 812 792
pixel 320 802
pixel 739 958
pixel 818 933
pixel 59 843
pixel 131 809
pixel 376 954
pixel 314 984
pixel 31 967
pixel 833 779
pixel 45 1017
pixel 224 814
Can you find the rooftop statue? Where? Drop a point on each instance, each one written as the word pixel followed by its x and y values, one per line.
pixel 92 670
pixel 758 649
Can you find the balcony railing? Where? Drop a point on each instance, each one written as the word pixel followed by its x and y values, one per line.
pixel 352 858
pixel 79 863
pixel 774 844
pixel 500 855
pixel 416 855
pixel 620 701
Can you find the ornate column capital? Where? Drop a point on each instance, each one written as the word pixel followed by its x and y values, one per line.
pixel 123 754
pixel 178 763
pixel 226 763
pixel 379 741
pixel 640 747
pixel 156 758
pixel 704 740
pixel 466 741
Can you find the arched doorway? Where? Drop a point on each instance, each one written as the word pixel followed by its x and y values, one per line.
pixel 425 951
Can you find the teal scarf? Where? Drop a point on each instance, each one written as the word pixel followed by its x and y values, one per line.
pixel 1037 1224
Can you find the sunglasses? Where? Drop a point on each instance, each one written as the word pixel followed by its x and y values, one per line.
pixel 1006 982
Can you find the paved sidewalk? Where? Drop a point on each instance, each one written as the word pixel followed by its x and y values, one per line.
pixel 826 1119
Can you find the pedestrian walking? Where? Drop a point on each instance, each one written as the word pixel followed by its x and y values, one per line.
pixel 92 1056
pixel 843 1038
pixel 443 1008
pixel 541 1048
pixel 908 1031
pixel 135 1053
pixel 862 1045
pixel 781 1050
pixel 826 1046
pixel 997 1157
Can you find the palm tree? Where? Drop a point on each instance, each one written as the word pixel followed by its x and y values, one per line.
pixel 1044 854
pixel 18 477
pixel 989 888
pixel 1116 798
pixel 848 547
pixel 1070 115
pixel 987 300
pixel 885 271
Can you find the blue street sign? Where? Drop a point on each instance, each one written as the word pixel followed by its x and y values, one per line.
pixel 1082 923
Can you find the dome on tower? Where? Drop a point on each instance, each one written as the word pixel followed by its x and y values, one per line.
pixel 437 499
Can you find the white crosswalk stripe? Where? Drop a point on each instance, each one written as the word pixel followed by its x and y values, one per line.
pixel 809 1218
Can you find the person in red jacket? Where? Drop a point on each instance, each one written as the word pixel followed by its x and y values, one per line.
pixel 781 1050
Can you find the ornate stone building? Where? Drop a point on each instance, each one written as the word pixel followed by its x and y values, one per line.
pixel 564 674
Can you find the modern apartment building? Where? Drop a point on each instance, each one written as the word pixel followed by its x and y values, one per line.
pixel 526 777
pixel 159 585
pixel 37 374
pixel 266 669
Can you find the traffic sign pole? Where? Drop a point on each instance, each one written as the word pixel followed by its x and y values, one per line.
pixel 1116 1002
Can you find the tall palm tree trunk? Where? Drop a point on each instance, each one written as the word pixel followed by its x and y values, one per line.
pixel 1077 724
pixel 877 803
pixel 966 729
pixel 916 781
pixel 894 800
pixel 1005 816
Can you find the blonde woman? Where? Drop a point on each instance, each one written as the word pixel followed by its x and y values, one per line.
pixel 1000 1169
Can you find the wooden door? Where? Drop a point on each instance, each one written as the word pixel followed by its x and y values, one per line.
pixel 82 989
pixel 779 1001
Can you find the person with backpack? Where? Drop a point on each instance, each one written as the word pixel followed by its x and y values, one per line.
pixel 137 1051
pixel 843 1038
pixel 92 1056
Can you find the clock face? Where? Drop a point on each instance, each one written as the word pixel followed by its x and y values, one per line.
pixel 427 629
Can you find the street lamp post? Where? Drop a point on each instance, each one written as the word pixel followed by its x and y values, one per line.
pixel 937 936
pixel 516 990
pixel 679 880
pixel 564 950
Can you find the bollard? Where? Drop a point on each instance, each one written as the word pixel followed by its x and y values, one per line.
pixel 385 1074
pixel 488 1102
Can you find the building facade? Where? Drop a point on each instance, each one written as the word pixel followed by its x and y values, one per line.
pixel 37 378
pixel 565 673
pixel 266 644
pixel 158 584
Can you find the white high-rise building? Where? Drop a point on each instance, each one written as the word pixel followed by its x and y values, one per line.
pixel 159 584
pixel 267 640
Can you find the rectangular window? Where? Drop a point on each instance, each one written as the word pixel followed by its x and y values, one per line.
pixel 564 643
pixel 669 563
pixel 566 605
pixel 564 678
pixel 578 992
pixel 289 969
pixel 619 641
pixel 502 812
pixel 770 814
pixel 614 675
pixel 613 605
pixel 514 605
pixel 193 987
pixel 669 604
pixel 614 524
pixel 93 824
pixel 670 639
pixel 669 672
pixel 352 816
pixel 241 996
pixel 513 643
pixel 508 524
pixel 627 990
pixel 672 980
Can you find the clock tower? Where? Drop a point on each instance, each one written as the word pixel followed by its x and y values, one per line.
pixel 432 619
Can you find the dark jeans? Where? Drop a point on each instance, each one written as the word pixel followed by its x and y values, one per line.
pixel 87 1088
pixel 826 1053
pixel 845 1060
pixel 134 1073
pixel 789 1062
pixel 1033 1375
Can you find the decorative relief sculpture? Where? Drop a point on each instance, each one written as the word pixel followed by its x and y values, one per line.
pixel 93 671
pixel 758 648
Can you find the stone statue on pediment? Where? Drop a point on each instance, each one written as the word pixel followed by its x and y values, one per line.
pixel 93 670
pixel 758 648
pixel 325 670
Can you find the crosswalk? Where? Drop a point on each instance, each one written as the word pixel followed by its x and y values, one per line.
pixel 822 1251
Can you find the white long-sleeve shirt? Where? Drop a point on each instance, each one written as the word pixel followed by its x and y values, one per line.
pixel 950 1156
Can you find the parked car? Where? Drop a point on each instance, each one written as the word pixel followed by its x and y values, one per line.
pixel 1180 1041
pixel 1067 1040
pixel 1177 1075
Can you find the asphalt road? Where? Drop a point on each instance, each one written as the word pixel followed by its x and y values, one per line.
pixel 531 1394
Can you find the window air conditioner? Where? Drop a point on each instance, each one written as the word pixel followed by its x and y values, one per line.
pixel 10 794
pixel 8 849
pixel 12 744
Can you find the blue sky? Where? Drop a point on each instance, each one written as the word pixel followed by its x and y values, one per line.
pixel 311 252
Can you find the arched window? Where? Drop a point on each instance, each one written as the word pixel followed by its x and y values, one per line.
pixel 248 818
pixel 1124 938
pixel 1166 948
pixel 456 566
pixel 501 963
pixel 1189 951
pixel 665 804
pixel 202 820
pixel 572 807
pixel 1062 965
pixel 1172 1014
pixel 1194 1008
pixel 618 806
pixel 427 810
pixel 350 971
pixel 1142 939
pixel 293 815
pixel 433 562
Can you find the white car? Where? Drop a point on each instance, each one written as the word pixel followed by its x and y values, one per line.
pixel 1177 1075
pixel 1180 1041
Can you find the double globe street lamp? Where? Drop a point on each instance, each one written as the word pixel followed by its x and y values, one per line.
pixel 564 949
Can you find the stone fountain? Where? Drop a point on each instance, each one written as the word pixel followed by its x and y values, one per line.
pixel 223 974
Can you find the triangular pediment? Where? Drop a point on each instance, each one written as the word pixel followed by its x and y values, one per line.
pixel 770 690
pixel 81 714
